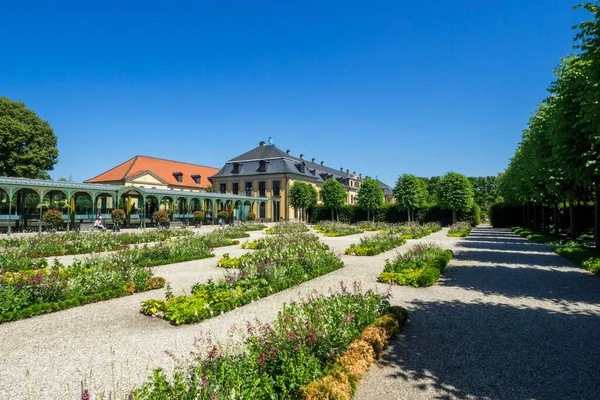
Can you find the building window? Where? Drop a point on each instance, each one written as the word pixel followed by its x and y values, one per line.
pixel 178 176
pixel 276 188
pixel 236 168
pixel 262 167
pixel 248 188
pixel 236 188
pixel 262 211
pixel 262 189
pixel 223 188
pixel 196 179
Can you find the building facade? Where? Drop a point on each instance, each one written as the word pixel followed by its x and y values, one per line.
pixel 268 171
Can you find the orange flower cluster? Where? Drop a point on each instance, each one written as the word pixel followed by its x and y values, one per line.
pixel 342 381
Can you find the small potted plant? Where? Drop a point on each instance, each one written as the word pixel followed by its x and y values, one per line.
pixel 251 217
pixel 53 218
pixel 223 217
pixel 118 217
pixel 198 218
pixel 161 217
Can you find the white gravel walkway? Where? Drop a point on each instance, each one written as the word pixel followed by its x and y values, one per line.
pixel 510 320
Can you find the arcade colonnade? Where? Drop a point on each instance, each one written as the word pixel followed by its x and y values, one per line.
pixel 23 201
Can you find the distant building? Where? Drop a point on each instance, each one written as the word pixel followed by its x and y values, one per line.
pixel 157 173
pixel 268 171
pixel 388 192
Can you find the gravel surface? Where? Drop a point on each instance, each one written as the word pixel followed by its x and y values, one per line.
pixel 48 356
pixel 509 320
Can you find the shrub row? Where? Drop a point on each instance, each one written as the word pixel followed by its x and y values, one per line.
pixel 332 229
pixel 420 266
pixel 577 252
pixel 287 227
pixel 308 341
pixel 460 229
pixel 287 261
pixel 370 246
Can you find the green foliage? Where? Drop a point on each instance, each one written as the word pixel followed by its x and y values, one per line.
pixel 118 216
pixel 53 218
pixel 370 195
pixel 455 192
pixel 460 229
pixel 27 143
pixel 420 266
pixel 285 261
pixel 251 216
pixel 276 360
pixel 373 245
pixel 198 217
pixel 287 227
pixel 333 194
pixel 410 192
pixel 302 195
pixel 329 228
pixel 161 216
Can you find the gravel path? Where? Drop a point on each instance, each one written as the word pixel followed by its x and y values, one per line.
pixel 510 320
pixel 48 356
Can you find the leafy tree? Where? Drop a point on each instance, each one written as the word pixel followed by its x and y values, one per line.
pixel 455 193
pixel 410 193
pixel 333 194
pixel 302 196
pixel 27 143
pixel 370 196
pixel 485 190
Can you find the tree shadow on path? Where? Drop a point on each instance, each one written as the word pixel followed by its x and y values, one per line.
pixel 496 351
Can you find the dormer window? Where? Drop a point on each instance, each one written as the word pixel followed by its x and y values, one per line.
pixel 236 168
pixel 178 176
pixel 262 166
pixel 197 178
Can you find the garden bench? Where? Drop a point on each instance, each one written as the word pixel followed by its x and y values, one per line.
pixel 177 224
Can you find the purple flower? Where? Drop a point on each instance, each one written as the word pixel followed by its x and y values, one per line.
pixel 85 395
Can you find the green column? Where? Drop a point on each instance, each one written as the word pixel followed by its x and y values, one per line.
pixel 9 210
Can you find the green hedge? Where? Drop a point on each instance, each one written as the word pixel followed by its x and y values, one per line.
pixel 421 268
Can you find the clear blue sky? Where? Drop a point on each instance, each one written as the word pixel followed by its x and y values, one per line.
pixel 379 87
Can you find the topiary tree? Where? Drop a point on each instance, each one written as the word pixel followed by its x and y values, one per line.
pixel 455 193
pixel 161 217
pixel 118 216
pixel 333 195
pixel 410 193
pixel 302 196
pixel 53 218
pixel 251 216
pixel 27 143
pixel 198 217
pixel 370 196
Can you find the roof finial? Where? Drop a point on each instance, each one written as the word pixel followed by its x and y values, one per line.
pixel 270 141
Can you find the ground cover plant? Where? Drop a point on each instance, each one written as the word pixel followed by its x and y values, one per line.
pixel 234 232
pixel 412 230
pixel 84 242
pixel 460 229
pixel 419 266
pixel 580 253
pixel 329 228
pixel 287 227
pixel 311 343
pixel 372 226
pixel 249 226
pixel 287 261
pixel 373 245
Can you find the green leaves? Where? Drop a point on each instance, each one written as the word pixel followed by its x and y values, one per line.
pixel 410 192
pixel 455 192
pixel 27 143
pixel 370 195
pixel 333 194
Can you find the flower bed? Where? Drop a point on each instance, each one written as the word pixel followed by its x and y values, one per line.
pixel 460 229
pixel 253 227
pixel 309 345
pixel 81 243
pixel 577 252
pixel 329 228
pixel 420 266
pixel 412 230
pixel 32 292
pixel 287 227
pixel 255 244
pixel 374 245
pixel 234 232
pixel 287 261
pixel 372 226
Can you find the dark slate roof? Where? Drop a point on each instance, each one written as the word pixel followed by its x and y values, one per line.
pixel 387 190
pixel 279 162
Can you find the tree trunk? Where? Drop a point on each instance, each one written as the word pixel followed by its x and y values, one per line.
pixel 408 211
pixel 555 218
pixel 332 214
pixel 535 217
pixel 453 216
pixel 368 215
pixel 597 215
pixel 572 221
pixel 524 214
pixel 528 215
pixel 543 225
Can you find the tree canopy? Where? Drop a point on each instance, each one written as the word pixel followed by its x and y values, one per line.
pixel 455 192
pixel 410 193
pixel 333 194
pixel 27 143
pixel 302 195
pixel 370 196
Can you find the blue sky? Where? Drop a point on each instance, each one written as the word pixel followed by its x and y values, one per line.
pixel 378 87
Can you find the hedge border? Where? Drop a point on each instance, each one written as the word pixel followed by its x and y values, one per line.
pixel 341 382
pixel 438 264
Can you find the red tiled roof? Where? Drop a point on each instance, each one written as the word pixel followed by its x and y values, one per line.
pixel 163 169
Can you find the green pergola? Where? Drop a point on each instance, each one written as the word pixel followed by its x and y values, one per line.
pixel 212 201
